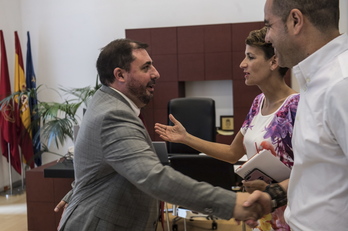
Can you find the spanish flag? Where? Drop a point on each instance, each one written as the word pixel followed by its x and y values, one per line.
pixel 23 117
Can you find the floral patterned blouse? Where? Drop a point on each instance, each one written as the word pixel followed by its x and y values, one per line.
pixel 272 132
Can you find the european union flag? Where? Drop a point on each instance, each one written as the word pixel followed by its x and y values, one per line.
pixel 35 121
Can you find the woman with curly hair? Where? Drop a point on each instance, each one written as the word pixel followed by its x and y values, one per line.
pixel 268 125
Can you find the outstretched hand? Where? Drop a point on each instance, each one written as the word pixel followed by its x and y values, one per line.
pixel 176 133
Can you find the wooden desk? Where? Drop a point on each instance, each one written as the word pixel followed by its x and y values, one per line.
pixel 43 194
pixel 63 169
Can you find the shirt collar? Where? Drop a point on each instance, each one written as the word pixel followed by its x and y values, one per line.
pixel 306 69
pixel 133 106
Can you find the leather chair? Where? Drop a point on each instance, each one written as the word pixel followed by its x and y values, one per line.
pixel 198 117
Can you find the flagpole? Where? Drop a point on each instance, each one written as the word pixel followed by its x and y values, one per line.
pixel 6 193
pixel 22 175
pixel 20 189
pixel 11 191
pixel 9 167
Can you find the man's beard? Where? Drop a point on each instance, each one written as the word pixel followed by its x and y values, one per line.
pixel 140 91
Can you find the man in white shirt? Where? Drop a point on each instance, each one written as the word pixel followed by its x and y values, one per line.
pixel 306 37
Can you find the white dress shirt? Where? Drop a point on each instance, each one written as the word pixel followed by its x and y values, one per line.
pixel 132 104
pixel 318 189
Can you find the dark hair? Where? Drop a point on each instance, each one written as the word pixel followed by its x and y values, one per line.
pixel 117 53
pixel 323 14
pixel 256 38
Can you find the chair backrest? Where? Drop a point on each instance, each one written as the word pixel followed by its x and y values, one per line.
pixel 198 117
pixel 161 151
pixel 205 168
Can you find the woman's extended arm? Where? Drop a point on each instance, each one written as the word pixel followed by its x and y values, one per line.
pixel 178 134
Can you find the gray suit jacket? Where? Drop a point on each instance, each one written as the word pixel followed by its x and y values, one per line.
pixel 119 178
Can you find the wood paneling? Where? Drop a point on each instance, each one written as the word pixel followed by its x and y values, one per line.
pixel 191 67
pixel 163 41
pixel 167 66
pixel 218 66
pixel 42 196
pixel 165 91
pixel 217 38
pixel 243 95
pixel 191 40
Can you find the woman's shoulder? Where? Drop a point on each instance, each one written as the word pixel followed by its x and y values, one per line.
pixel 293 98
pixel 258 99
pixel 289 106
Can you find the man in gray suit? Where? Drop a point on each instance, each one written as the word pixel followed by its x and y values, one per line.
pixel 119 179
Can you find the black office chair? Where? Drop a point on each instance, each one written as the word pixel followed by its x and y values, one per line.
pixel 198 117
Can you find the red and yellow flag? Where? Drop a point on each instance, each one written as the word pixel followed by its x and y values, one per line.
pixel 8 132
pixel 23 117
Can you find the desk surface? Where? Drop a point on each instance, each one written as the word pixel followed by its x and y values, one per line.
pixel 63 169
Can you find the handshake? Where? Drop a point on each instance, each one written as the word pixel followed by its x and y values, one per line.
pixel 251 207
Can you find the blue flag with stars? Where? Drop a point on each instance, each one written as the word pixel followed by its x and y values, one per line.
pixel 35 122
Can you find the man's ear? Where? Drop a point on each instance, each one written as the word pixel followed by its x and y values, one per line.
pixel 119 74
pixel 296 19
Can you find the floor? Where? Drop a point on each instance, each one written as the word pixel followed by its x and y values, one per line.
pixel 13 212
pixel 13 217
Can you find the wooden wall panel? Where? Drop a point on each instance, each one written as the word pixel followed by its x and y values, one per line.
pixel 191 40
pixel 165 91
pixel 218 66
pixel 243 95
pixel 191 67
pixel 167 66
pixel 217 38
pixel 164 41
pixel 148 114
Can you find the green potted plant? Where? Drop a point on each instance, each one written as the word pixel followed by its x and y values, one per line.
pixel 54 121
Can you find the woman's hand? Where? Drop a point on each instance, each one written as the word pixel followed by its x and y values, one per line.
pixel 176 133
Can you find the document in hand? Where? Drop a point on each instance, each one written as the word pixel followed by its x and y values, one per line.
pixel 265 162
